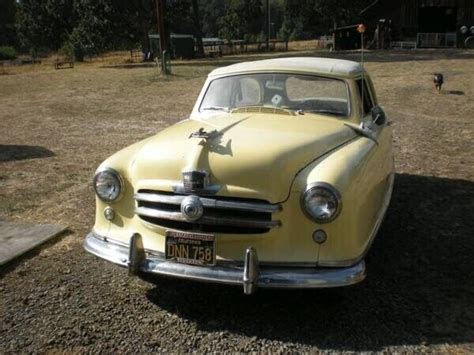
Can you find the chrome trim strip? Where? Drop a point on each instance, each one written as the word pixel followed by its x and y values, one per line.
pixel 268 276
pixel 118 244
pixel 209 190
pixel 151 212
pixel 227 221
pixel 283 264
pixel 209 202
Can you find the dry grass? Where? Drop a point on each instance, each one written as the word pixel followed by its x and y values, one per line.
pixel 304 45
pixel 123 57
pixel 82 116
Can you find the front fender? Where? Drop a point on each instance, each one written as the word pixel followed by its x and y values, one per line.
pixel 362 171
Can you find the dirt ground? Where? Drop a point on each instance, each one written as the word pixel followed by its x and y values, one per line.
pixel 56 126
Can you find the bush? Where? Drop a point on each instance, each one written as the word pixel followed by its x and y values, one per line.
pixel 285 31
pixel 85 43
pixel 66 50
pixel 7 52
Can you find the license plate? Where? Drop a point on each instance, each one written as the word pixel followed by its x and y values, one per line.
pixel 190 248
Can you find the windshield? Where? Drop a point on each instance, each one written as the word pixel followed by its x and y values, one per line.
pixel 297 92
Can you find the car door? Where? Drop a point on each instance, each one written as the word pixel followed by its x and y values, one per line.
pixel 379 169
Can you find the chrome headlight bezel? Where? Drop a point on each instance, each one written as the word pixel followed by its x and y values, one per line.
pixel 118 179
pixel 312 189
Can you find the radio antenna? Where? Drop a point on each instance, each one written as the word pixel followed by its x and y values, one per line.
pixel 361 29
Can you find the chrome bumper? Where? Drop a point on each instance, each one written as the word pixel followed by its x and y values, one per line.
pixel 250 275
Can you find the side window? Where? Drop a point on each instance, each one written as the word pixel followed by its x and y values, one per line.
pixel 248 93
pixel 367 97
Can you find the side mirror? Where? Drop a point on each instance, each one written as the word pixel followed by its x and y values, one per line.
pixel 378 116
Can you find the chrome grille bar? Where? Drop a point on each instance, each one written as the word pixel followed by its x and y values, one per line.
pixel 221 214
pixel 209 202
pixel 206 219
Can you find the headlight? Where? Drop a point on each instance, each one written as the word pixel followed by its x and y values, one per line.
pixel 321 202
pixel 108 185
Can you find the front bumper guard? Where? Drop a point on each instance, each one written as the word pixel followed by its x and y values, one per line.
pixel 250 275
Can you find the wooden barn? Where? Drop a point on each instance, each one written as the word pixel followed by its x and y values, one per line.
pixel 426 23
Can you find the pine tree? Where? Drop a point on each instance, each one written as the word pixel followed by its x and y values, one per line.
pixel 7 22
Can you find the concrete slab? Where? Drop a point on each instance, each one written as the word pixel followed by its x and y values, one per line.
pixel 18 238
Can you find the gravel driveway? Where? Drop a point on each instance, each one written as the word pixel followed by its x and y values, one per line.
pixel 420 287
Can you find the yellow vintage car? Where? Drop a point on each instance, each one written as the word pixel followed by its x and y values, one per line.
pixel 280 177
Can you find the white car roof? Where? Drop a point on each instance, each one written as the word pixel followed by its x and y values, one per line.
pixel 310 65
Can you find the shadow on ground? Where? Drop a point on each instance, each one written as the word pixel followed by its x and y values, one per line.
pixel 131 65
pixel 456 92
pixel 419 289
pixel 21 152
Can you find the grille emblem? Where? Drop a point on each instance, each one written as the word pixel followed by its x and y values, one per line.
pixel 192 208
pixel 195 180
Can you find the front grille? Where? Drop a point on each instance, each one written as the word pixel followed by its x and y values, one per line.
pixel 221 214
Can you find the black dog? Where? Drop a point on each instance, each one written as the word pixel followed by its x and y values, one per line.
pixel 438 81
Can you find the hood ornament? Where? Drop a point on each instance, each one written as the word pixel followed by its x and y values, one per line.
pixel 201 133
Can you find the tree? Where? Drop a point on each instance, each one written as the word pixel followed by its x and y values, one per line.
pixel 309 18
pixel 91 26
pixel 211 11
pixel 101 25
pixel 179 16
pixel 43 24
pixel 94 26
pixel 242 20
pixel 144 10
pixel 341 12
pixel 229 26
pixel 93 29
pixel 7 22
pixel 285 31
pixel 277 8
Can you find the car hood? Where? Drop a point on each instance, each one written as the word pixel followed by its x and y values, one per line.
pixel 253 156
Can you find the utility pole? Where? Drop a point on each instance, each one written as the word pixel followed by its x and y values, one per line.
pixel 164 51
pixel 197 25
pixel 268 25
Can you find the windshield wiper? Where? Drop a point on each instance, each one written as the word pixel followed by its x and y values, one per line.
pixel 323 111
pixel 327 112
pixel 215 108
pixel 260 108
